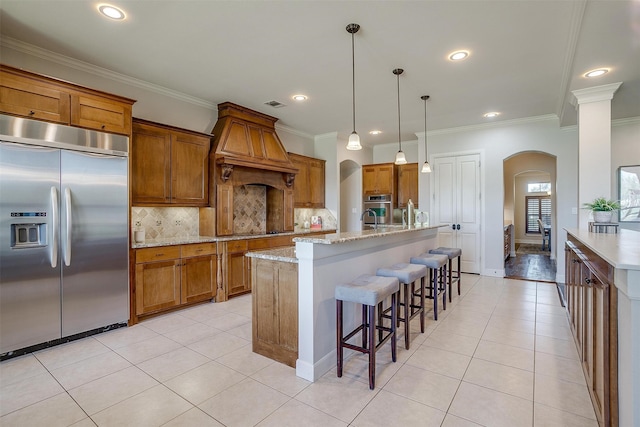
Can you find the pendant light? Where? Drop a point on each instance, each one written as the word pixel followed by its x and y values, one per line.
pixel 354 139
pixel 400 157
pixel 426 168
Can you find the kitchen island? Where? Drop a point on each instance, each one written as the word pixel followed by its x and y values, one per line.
pixel 603 305
pixel 325 261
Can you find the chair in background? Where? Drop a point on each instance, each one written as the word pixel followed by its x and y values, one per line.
pixel 546 234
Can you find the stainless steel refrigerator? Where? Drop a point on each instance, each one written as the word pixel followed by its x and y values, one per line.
pixel 63 233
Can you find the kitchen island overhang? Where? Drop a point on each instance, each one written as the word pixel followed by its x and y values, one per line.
pixel 326 261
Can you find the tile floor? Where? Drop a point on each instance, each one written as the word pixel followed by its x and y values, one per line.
pixel 500 355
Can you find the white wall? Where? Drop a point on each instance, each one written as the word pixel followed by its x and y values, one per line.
pixel 625 151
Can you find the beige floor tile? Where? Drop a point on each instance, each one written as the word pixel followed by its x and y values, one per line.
pixel 245 361
pixel 551 309
pixel 243 331
pixel 453 421
pixel 203 382
pixel 564 395
pixel 505 354
pixel 218 345
pixel 356 366
pixel 554 319
pixel 228 321
pixel 97 395
pixel 557 347
pixel 545 416
pixel 505 379
pixel 192 334
pixel 87 370
pixel 244 404
pixel 87 422
pixel 168 323
pixel 153 407
pixel 19 369
pixel 405 412
pixel 70 353
pixel 343 398
pixel 467 328
pixel 204 312
pixel 423 386
pixel 516 313
pixel 193 418
pixel 440 361
pixel 514 299
pixel 491 408
pixel 173 363
pixel 147 349
pixel 125 336
pixel 468 314
pixel 291 413
pixel 559 367
pixel 57 411
pixel 452 342
pixel 561 332
pixel 21 393
pixel 509 337
pixel 511 324
pixel 282 378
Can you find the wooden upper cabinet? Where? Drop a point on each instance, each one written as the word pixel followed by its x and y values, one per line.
pixel 44 98
pixel 102 114
pixel 378 179
pixel 309 184
pixel 189 169
pixel 407 184
pixel 169 165
pixel 30 98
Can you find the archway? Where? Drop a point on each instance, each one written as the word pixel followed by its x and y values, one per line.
pixel 530 195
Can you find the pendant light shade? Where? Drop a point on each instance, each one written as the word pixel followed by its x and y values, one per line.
pixel 400 157
pixel 426 168
pixel 354 139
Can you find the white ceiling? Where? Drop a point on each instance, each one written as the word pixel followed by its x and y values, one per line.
pixel 526 56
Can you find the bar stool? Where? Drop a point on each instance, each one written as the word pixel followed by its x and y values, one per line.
pixel 369 291
pixel 436 264
pixel 451 253
pixel 407 275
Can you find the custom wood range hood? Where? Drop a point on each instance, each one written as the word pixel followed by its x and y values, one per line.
pixel 248 151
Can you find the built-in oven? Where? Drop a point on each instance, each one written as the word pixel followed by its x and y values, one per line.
pixel 382 205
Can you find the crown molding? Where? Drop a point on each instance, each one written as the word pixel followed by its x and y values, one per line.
pixel 293 131
pixel 575 26
pixel 626 121
pixel 76 64
pixel 594 94
pixel 470 128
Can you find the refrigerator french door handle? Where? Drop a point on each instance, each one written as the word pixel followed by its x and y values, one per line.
pixel 67 246
pixel 55 225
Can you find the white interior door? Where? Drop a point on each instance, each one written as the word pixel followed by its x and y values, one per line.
pixel 456 198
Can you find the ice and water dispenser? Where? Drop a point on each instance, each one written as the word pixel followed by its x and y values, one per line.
pixel 31 234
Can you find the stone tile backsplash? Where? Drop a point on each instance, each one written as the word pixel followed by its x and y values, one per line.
pixel 250 209
pixel 166 222
pixel 302 215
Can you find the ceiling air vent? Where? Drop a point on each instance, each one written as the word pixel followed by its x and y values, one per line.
pixel 275 104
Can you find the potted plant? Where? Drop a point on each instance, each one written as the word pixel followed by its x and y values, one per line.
pixel 602 209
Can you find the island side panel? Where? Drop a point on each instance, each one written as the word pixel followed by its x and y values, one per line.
pixel 320 268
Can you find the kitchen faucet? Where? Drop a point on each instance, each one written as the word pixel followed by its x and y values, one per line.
pixel 375 217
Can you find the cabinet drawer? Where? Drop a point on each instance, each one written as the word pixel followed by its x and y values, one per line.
pixel 161 253
pixel 237 246
pixel 199 249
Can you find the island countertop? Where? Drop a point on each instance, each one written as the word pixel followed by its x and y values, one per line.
pixel 621 250
pixel 286 254
pixel 351 236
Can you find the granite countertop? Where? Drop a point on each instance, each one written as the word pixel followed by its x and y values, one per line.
pixel 185 240
pixel 330 239
pixel 621 250
pixel 286 254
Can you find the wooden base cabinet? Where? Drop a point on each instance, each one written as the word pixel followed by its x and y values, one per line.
pixel 593 312
pixel 170 276
pixel 275 309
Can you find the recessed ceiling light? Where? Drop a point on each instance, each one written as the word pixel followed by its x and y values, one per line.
pixel 491 114
pixel 111 12
pixel 375 132
pixel 299 97
pixel 596 73
pixel 458 55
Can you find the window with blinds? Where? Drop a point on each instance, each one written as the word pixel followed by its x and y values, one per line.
pixel 537 208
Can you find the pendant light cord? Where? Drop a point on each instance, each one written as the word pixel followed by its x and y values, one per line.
pixel 399 139
pixel 353 79
pixel 425 127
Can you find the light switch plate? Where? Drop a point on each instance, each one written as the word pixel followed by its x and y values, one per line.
pixel 574 211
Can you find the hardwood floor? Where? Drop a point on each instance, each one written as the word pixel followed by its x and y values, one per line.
pixel 531 266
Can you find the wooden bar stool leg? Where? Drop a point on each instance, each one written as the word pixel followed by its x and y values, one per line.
pixel 372 346
pixel 422 304
pixel 435 293
pixel 407 316
pixel 450 277
pixel 459 274
pixel 364 326
pixel 394 315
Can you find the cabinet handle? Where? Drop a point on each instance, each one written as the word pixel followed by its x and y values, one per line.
pixel 103 126
pixel 587 281
pixel 199 250
pixel 31 112
pixel 160 254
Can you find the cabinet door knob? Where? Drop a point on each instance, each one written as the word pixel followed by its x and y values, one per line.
pixel 31 112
